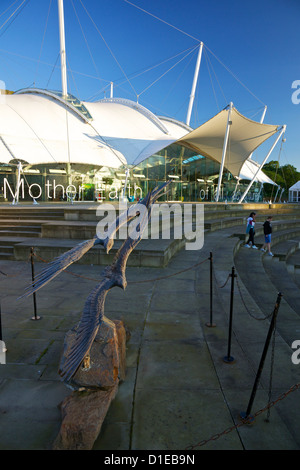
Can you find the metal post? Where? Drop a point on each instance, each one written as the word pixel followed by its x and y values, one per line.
pixel 278 188
pixel 62 48
pixel 192 95
pixel 224 151
pixel 17 194
pixel 266 158
pixel 281 195
pixel 0 324
pixel 35 317
pixel 211 324
pixel 229 359
pixel 3 348
pixel 246 415
pixel 125 184
pixel 2 345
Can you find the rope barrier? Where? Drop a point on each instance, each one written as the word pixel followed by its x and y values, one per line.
pixel 245 305
pixel 245 421
pixel 130 282
pixel 245 418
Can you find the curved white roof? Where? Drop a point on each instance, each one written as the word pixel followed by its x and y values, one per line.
pixel 35 128
pixel 39 127
pixel 132 129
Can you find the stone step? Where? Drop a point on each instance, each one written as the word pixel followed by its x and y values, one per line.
pixel 7 249
pixel 24 233
pixel 282 250
pixel 19 223
pixel 148 253
pixel 17 228
pixel 6 256
pixel 31 217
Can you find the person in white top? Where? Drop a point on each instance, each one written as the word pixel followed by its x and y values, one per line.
pixel 250 230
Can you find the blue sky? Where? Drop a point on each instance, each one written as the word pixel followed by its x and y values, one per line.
pixel 251 56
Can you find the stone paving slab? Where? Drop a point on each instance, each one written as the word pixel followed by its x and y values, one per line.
pixel 177 391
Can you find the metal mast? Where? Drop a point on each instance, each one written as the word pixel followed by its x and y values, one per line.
pixel 62 48
pixel 192 95
pixel 224 151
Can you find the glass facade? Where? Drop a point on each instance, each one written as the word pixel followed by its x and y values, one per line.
pixel 194 176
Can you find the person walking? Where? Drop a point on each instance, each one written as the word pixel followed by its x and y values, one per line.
pixel 250 230
pixel 267 232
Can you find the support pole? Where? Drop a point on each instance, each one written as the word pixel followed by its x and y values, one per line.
pixel 261 121
pixel 229 359
pixel 235 189
pixel 281 195
pixel 260 190
pixel 269 153
pixel 192 95
pixel 246 415
pixel 62 48
pixel 125 184
pixel 210 323
pixel 3 348
pixel 16 199
pixel 0 323
pixel 111 89
pixel 35 317
pixel 276 194
pixel 224 151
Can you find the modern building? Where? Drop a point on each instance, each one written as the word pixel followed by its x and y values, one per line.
pixel 54 147
pixel 64 148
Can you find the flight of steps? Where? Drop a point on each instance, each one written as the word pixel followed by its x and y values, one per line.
pixel 16 224
pixel 53 230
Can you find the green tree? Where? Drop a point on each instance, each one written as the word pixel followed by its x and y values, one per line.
pixel 285 176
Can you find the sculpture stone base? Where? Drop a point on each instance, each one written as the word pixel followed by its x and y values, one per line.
pixel 83 413
pixel 95 385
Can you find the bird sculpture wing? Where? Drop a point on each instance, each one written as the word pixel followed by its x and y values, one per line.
pixel 112 276
pixel 60 263
pixel 87 329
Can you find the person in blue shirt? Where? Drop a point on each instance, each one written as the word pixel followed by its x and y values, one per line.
pixel 267 231
pixel 250 230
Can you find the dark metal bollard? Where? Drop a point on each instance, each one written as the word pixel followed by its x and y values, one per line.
pixel 2 344
pixel 246 415
pixel 210 323
pixel 0 325
pixel 1 337
pixel 35 317
pixel 229 359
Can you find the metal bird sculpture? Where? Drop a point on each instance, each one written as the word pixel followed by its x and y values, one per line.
pixel 112 276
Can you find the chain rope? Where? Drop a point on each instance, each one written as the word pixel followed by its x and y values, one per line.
pixel 247 420
pixel 130 282
pixel 243 421
pixel 245 305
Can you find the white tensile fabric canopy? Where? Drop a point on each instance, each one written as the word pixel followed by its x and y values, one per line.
pixel 245 136
pixel 38 128
pixel 250 168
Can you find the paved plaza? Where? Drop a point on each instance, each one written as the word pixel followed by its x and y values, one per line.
pixel 178 392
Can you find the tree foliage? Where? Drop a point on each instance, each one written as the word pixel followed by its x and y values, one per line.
pixel 285 176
